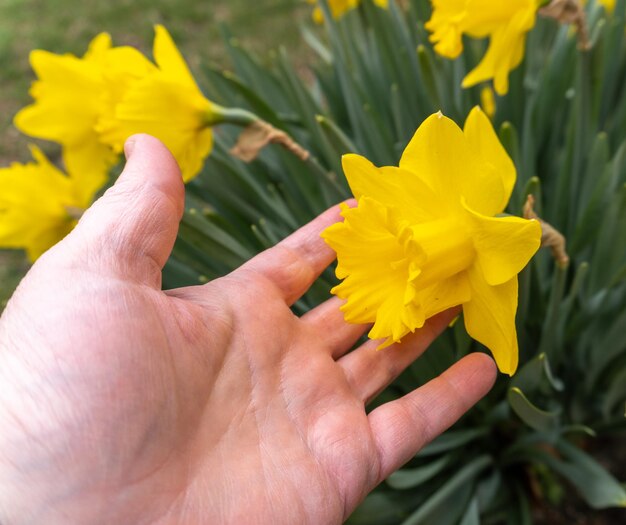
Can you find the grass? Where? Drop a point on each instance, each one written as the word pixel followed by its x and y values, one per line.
pixel 67 26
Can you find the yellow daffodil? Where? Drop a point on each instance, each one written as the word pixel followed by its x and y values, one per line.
pixel 427 235
pixel 71 95
pixel 167 104
pixel 39 205
pixel 338 8
pixel 505 23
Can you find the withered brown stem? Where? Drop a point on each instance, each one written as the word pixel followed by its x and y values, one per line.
pixel 569 12
pixel 550 236
pixel 258 135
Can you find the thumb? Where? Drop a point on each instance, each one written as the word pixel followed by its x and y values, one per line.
pixel 130 231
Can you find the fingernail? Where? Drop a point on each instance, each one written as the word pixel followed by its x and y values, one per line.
pixel 129 146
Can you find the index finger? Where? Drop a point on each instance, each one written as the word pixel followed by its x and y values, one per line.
pixel 294 263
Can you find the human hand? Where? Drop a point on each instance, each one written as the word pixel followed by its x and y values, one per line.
pixel 124 404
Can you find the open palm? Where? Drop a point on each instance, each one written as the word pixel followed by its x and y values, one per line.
pixel 121 403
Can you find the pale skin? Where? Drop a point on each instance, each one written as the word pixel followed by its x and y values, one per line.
pixel 124 404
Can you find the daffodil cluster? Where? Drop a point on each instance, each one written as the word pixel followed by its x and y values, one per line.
pixel 428 235
pixel 91 105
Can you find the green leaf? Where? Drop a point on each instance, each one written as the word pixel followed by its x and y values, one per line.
pixel 534 417
pixel 408 478
pixel 488 489
pixel 316 45
pixel 207 234
pixel 446 493
pixel 613 344
pixel 452 440
pixel 523 515
pixel 382 508
pixel 176 275
pixel 552 333
pixel 615 394
pixel 594 483
pixel 472 514
pixel 529 377
pixel 426 69
pixel 510 140
pixel 336 137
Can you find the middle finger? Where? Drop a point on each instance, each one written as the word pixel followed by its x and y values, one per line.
pixel 369 371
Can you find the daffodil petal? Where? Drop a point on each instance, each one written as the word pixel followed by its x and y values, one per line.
pixel 35 234
pixel 89 165
pixel 503 245
pixel 47 237
pixel 488 101
pixel 486 16
pixel 490 318
pixel 500 174
pixel 56 107
pixel 428 156
pixel 33 184
pixel 98 47
pixel 392 187
pixel 168 57
pixel 33 205
pixel 446 26
pixel 505 52
pixel 196 150
pixel 442 156
pixel 123 64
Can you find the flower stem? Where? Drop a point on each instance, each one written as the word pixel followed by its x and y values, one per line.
pixel 236 116
pixel 260 133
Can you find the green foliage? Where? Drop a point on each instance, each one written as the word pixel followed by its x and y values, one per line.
pixel 563 122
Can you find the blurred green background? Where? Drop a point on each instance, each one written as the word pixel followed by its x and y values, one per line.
pixel 67 26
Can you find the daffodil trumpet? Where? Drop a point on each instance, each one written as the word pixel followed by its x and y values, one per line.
pixel 429 234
